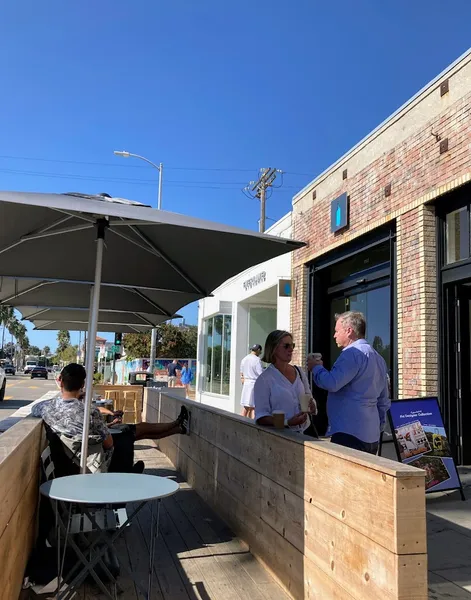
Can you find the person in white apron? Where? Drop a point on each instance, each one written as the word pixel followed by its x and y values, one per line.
pixel 250 369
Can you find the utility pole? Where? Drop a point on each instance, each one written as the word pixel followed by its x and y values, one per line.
pixel 266 179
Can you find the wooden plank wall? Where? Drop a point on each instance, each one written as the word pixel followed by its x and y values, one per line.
pixel 329 522
pixel 20 449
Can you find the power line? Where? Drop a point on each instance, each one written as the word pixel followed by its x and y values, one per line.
pixel 235 185
pixel 118 165
pixel 130 166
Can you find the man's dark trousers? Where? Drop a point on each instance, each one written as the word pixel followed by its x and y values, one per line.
pixel 350 441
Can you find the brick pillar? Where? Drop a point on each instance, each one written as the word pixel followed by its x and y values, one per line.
pixel 417 303
pixel 299 314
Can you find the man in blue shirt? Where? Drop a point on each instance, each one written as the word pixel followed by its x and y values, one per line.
pixel 358 398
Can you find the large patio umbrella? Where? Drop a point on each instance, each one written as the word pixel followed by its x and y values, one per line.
pixel 62 237
pixel 35 313
pixel 84 325
pixel 43 293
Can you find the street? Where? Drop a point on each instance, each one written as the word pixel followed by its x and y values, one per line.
pixel 22 390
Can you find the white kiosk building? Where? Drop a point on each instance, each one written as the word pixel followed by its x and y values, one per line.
pixel 241 313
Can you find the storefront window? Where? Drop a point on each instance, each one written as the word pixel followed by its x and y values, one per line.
pixel 457 235
pixel 217 331
pixel 375 305
pixel 359 264
pixel 226 356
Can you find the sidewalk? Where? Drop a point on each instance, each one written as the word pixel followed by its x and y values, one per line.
pixel 24 411
pixel 449 543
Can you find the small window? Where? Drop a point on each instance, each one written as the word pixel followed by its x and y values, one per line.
pixel 457 235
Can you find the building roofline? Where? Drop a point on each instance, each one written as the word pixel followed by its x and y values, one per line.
pixel 288 214
pixel 457 65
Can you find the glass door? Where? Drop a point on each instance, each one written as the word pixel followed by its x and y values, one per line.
pixel 457 404
pixel 375 304
pixel 363 279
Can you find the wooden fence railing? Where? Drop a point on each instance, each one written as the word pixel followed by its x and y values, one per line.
pixel 20 450
pixel 329 522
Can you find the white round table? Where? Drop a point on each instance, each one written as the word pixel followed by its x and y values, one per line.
pixel 109 488
pixel 105 489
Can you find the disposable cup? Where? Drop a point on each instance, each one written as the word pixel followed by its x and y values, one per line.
pixel 278 419
pixel 304 400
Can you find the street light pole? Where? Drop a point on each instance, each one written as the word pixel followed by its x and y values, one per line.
pixel 159 198
pixel 160 168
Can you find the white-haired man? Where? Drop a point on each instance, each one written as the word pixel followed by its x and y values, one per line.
pixel 357 385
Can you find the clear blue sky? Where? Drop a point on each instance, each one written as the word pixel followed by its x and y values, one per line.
pixel 215 90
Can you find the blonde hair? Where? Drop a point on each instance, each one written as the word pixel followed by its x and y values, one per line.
pixel 272 341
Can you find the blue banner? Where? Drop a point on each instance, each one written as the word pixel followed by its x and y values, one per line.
pixel 421 441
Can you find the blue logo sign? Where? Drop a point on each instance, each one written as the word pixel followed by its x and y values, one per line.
pixel 285 287
pixel 339 217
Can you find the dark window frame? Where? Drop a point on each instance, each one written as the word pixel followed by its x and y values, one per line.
pixel 315 268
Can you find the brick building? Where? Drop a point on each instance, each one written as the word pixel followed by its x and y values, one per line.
pixel 388 232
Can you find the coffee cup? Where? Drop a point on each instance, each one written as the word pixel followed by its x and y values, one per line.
pixel 278 419
pixel 304 400
pixel 315 355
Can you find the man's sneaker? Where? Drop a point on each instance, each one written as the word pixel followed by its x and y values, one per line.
pixel 183 415
pixel 185 425
pixel 138 467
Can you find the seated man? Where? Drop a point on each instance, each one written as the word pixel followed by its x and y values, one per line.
pixel 65 416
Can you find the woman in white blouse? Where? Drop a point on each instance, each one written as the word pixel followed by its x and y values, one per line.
pixel 280 386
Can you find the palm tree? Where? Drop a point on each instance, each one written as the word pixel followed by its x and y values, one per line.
pixel 7 316
pixel 46 351
pixel 19 332
pixel 63 340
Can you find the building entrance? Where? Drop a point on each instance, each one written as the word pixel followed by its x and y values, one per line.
pixel 457 388
pixel 361 280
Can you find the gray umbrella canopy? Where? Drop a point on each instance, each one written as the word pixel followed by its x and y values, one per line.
pixel 101 240
pixel 34 313
pixel 40 293
pixel 40 325
pixel 53 236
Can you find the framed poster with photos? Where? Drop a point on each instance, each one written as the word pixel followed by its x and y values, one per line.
pixel 421 441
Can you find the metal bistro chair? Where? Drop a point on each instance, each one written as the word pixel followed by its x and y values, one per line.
pixel 79 522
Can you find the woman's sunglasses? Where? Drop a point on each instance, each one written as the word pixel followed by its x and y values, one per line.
pixel 289 346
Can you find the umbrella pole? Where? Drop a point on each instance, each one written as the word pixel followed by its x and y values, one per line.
pixel 92 331
pixel 87 333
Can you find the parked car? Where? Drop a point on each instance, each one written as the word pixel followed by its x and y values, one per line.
pixel 9 369
pixel 3 384
pixel 39 372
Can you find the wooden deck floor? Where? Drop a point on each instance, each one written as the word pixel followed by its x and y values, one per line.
pixel 197 557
